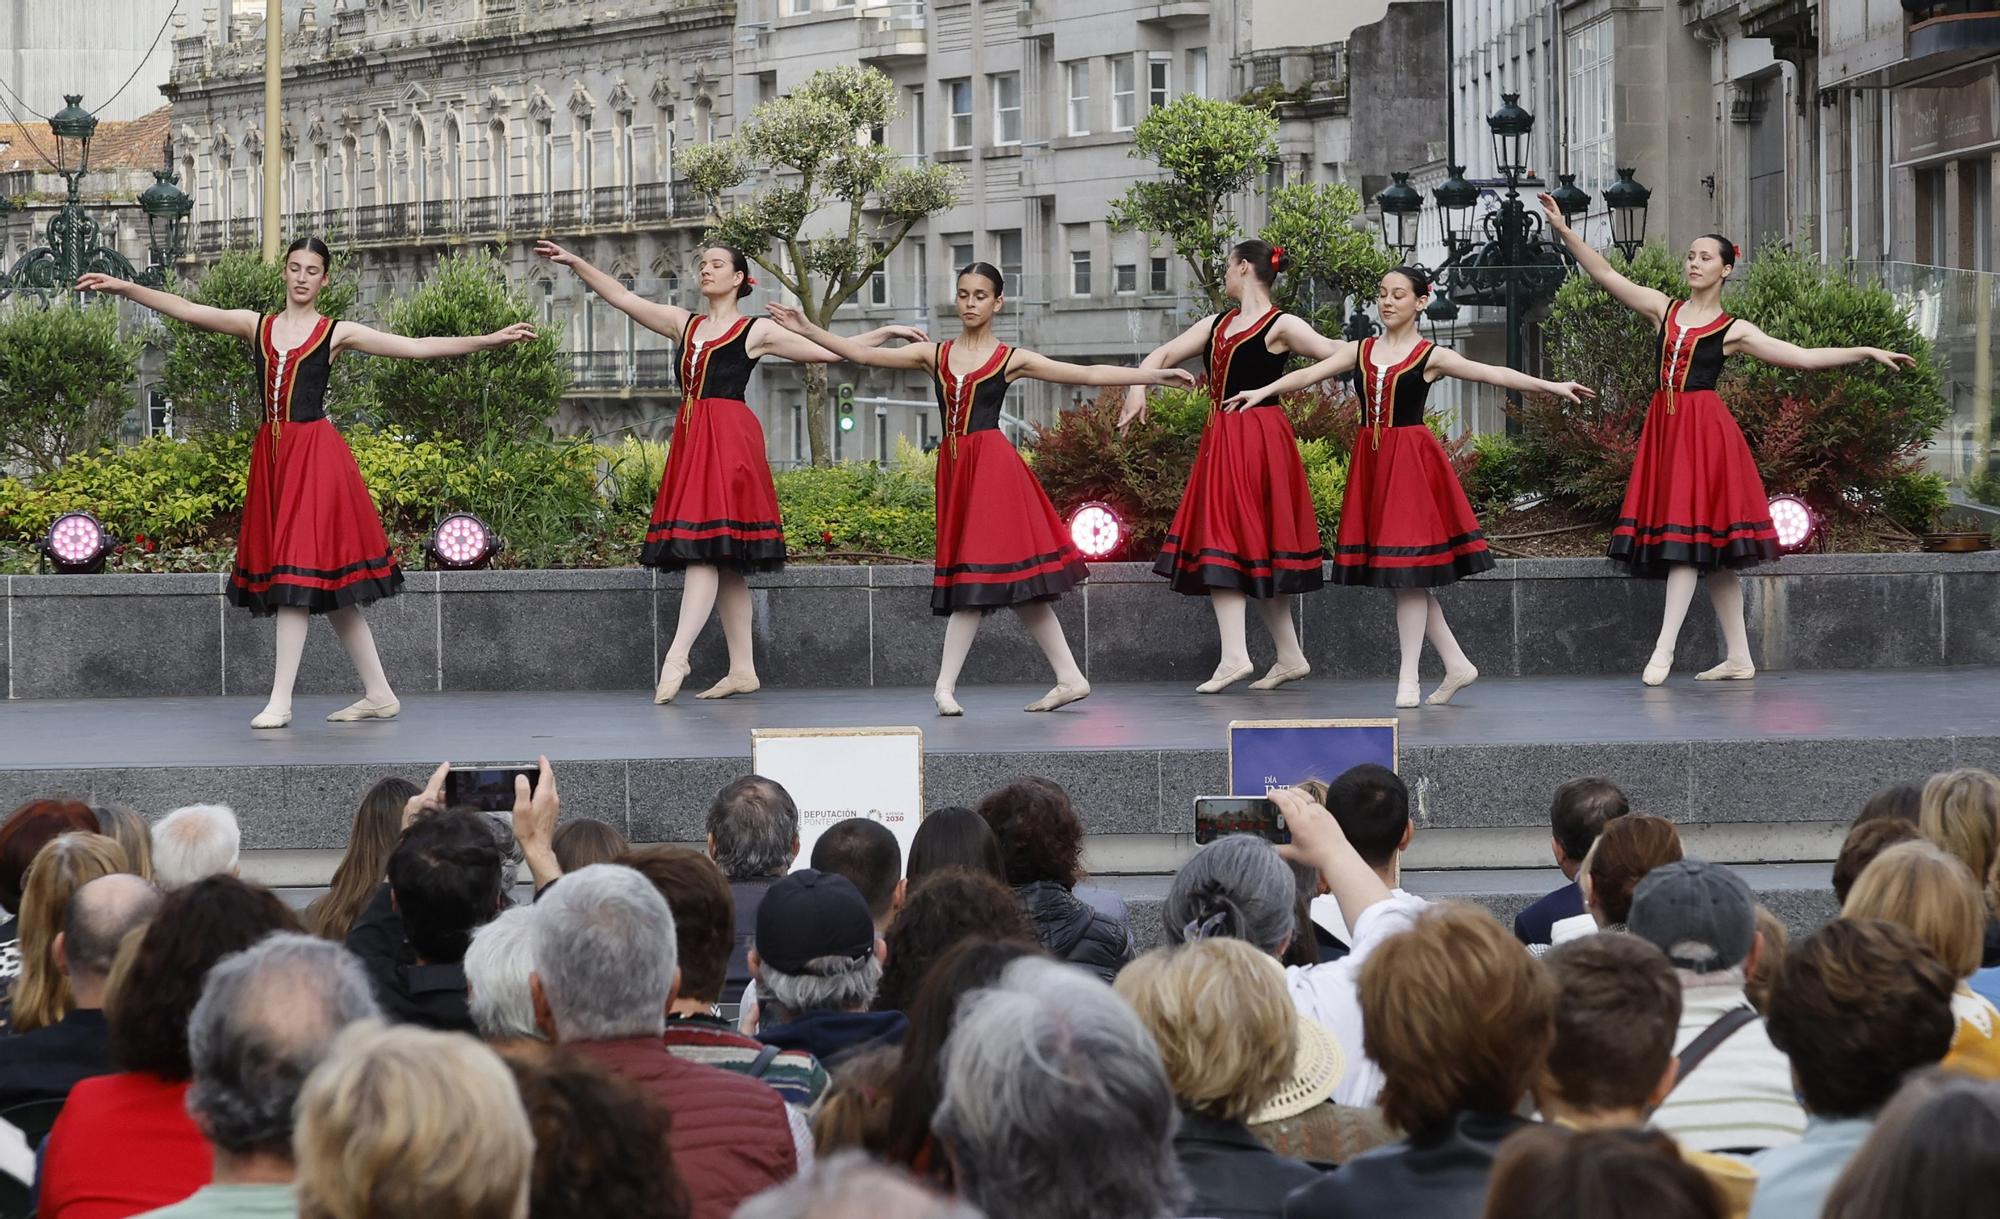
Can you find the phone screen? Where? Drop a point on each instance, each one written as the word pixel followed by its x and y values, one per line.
pixel 1218 816
pixel 487 788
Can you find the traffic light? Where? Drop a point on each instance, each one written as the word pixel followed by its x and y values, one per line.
pixel 843 398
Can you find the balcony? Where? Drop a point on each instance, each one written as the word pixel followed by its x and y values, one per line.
pixel 893 35
pixel 614 372
pixel 1180 14
pixel 1958 28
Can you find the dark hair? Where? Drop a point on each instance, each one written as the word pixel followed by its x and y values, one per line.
pixel 954 837
pixel 1617 1009
pixel 1930 1156
pixel 586 841
pixel 704 913
pixel 1419 277
pixel 600 1143
pixel 1863 843
pixel 1898 801
pixel 1579 811
pixel 1858 1005
pixel 1373 809
pixel 755 825
pixel 312 245
pixel 1727 247
pixel 1546 1172
pixel 1625 852
pixel 866 852
pixel 26 831
pixel 988 271
pixel 740 264
pixel 445 874
pixel 1040 836
pixel 197 925
pixel 1265 259
pixel 946 909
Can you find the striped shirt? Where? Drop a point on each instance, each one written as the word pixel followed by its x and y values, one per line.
pixel 1740 1097
pixel 795 1074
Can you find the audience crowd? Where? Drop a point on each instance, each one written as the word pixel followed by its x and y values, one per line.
pixel 522 1015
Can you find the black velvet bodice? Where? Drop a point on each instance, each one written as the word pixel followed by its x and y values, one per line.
pixel 1691 359
pixel 293 383
pixel 972 402
pixel 719 367
pixel 1241 361
pixel 1394 396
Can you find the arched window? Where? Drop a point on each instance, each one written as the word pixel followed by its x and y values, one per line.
pixel 499 161
pixel 419 163
pixel 454 183
pixel 385 182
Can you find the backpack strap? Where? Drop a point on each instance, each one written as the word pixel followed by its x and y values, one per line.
pixel 762 1063
pixel 1714 1035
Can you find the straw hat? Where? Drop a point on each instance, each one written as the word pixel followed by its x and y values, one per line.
pixel 1316 1068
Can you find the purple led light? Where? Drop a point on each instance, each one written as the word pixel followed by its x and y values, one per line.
pixel 75 539
pixel 462 541
pixel 1096 530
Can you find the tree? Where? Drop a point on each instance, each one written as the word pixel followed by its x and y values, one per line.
pixel 65 381
pixel 814 141
pixel 211 379
pixel 1330 259
pixel 1210 150
pixel 506 394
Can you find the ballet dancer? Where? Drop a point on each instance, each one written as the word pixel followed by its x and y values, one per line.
pixel 1695 505
pixel 999 540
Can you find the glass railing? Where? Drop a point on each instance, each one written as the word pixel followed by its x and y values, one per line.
pixel 1956 311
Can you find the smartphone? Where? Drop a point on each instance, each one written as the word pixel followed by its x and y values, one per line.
pixel 1217 816
pixel 487 788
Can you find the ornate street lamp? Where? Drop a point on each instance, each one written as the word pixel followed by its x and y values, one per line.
pixel 73 126
pixel 1571 200
pixel 1510 126
pixel 1401 208
pixel 1456 198
pixel 167 208
pixel 1627 200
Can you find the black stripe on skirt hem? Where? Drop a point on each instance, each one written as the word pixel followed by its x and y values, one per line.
pixel 987 598
pixel 314 600
pixel 750 558
pixel 1654 562
pixel 1428 575
pixel 1201 579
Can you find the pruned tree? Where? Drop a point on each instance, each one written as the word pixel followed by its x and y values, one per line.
pixel 65 382
pixel 1330 259
pixel 1210 150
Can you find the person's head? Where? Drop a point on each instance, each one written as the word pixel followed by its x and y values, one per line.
pixel 704 915
pixel 1934 1154
pixel 866 852
pixel 1919 886
pixel 1701 914
pixel 1441 1052
pixel 954 837
pixel 1961 813
pixel 26 831
pixel 1618 1005
pixel 724 273
pixel 586 841
pixel 382 1133
pixel 378 823
pixel 497 968
pixel 1253 262
pixel 946 909
pixel 1627 850
pixel 1578 814
pixel 41 995
pixel 1041 838
pixel 267 1016
pixel 101 914
pixel 1373 808
pixel 849 1185
pixel 1046 1064
pixel 1710 259
pixel 193 842
pixel 1546 1172
pixel 1898 802
pixel 1400 296
pixel 445 876
pixel 153 996
pixel 753 829
pixel 1858 1005
pixel 307 264
pixel 1225 1026
pixel 600 1142
pixel 1864 842
pixel 1773 940
pixel 605 956
pixel 1236 887
pixel 123 824
pixel 979 293
pixel 815 948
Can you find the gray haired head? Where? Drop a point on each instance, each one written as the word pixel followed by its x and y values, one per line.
pixel 827 984
pixel 511 854
pixel 604 949
pixel 754 826
pixel 267 1016
pixel 99 915
pixel 1046 1063
pixel 1238 887
pixel 497 968
pixel 850 1185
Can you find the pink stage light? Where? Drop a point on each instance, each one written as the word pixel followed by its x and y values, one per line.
pixel 1096 530
pixel 1795 521
pixel 76 543
pixel 462 541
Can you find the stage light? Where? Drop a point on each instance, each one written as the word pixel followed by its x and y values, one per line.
pixel 1796 523
pixel 1096 530
pixel 462 541
pixel 76 544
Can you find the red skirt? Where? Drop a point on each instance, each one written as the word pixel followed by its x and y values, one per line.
pixel 1695 495
pixel 1246 521
pixel 1405 521
pixel 999 540
pixel 717 505
pixel 311 537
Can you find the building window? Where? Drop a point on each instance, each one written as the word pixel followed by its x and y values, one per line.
pixel 1125 278
pixel 919 137
pixel 1079 272
pixel 1007 252
pixel 1197 71
pixel 1157 76
pixel 958 95
pixel 159 414
pixel 1157 279
pixel 1589 107
pixel 961 253
pixel 1006 107
pixel 878 282
pixel 800 8
pixel 1078 73
pixel 1124 101
pixel 920 255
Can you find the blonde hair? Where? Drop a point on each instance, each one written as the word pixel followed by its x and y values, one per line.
pixel 123 822
pixel 383 1130
pixel 1960 811
pixel 1921 887
pixel 1226 1027
pixel 67 863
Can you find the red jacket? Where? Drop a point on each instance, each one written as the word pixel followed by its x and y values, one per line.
pixel 123 1145
pixel 730 1136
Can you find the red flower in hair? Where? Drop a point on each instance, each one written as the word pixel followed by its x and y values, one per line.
pixel 750 281
pixel 1735 251
pixel 1277 254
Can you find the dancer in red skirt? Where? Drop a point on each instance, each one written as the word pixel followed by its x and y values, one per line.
pixel 1695 505
pixel 1405 523
pixel 716 516
pixel 311 539
pixel 999 540
pixel 1245 529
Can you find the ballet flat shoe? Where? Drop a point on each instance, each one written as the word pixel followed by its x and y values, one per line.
pixel 1222 681
pixel 1727 672
pixel 672 674
pixel 1406 696
pixel 731 685
pixel 1452 684
pixel 271 719
pixel 1657 670
pixel 1061 696
pixel 1278 676
pixel 365 710
pixel 946 704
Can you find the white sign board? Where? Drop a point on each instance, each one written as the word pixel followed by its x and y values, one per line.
pixel 837 773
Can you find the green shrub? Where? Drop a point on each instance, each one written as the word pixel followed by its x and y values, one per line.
pixel 858 509
pixel 1493 472
pixel 1916 500
pixel 65 381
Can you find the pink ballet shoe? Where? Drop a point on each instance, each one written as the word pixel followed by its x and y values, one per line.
pixel 672 674
pixel 1061 696
pixel 1223 679
pixel 1452 684
pixel 1280 675
pixel 1728 670
pixel 732 685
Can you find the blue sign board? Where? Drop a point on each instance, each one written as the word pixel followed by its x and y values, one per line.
pixel 1264 754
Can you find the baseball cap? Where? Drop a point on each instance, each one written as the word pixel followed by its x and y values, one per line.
pixel 811 914
pixel 1701 914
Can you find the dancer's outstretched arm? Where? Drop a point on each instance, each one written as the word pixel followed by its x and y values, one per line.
pixel 669 320
pixel 372 342
pixel 1448 363
pixel 919 354
pixel 1650 301
pixel 1041 368
pixel 1751 341
pixel 240 322
pixel 774 340
pixel 1342 360
pixel 1178 350
pixel 1296 337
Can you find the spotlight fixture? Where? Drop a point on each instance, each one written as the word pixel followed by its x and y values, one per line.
pixel 462 542
pixel 76 544
pixel 1096 530
pixel 1795 521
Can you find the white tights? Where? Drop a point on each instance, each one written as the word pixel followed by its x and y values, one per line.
pixel 1040 619
pixel 1725 593
pixel 355 637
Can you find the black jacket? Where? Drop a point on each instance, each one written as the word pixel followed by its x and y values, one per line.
pixel 47 1063
pixel 1073 931
pixel 410 993
pixel 1440 1174
pixel 1234 1176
